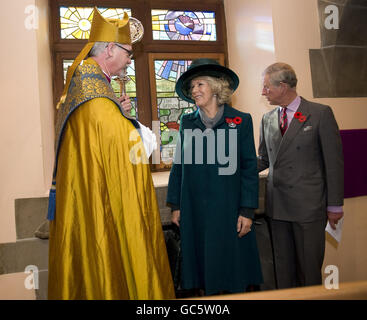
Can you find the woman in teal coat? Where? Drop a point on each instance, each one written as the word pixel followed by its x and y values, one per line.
pixel 213 184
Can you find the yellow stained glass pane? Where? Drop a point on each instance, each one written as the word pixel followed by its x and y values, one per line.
pixel 78 34
pixel 75 22
pixel 68 14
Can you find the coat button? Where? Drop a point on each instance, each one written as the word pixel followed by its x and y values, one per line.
pixel 298 147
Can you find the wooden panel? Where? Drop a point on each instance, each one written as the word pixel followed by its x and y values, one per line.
pixel 346 291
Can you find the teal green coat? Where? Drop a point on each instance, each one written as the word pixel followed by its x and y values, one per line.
pixel 214 258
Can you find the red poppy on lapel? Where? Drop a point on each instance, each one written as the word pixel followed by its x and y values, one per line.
pixel 300 117
pixel 297 115
pixel 237 120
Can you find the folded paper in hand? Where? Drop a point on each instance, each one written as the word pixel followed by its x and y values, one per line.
pixel 337 233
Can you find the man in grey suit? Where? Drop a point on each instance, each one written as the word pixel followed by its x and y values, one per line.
pixel 301 145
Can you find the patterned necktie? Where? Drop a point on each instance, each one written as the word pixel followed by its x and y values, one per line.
pixel 283 121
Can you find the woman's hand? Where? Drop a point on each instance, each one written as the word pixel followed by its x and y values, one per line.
pixel 176 217
pixel 243 226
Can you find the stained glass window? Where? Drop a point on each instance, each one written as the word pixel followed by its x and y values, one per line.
pixel 75 22
pixel 194 26
pixel 130 84
pixel 170 106
pixel 184 25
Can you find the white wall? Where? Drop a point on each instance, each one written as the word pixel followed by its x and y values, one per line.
pixel 26 122
pixel 12 287
pixel 250 49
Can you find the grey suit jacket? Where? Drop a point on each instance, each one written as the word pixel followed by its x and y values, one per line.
pixel 306 166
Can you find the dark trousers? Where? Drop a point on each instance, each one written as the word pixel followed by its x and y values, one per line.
pixel 298 252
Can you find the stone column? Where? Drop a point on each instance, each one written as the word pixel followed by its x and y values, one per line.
pixel 339 68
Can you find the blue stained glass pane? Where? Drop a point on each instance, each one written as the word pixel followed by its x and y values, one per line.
pixel 183 25
pixel 167 70
pixel 183 29
pixel 158 65
pixel 190 14
pixel 208 14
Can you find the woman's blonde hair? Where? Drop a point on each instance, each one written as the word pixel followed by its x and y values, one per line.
pixel 220 87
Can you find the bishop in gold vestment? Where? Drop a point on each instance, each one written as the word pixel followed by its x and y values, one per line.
pixel 106 239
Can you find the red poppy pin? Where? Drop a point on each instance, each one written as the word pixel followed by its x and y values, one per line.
pixel 237 120
pixel 300 117
pixel 233 122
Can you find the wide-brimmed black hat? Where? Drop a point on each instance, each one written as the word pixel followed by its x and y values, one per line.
pixel 204 67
